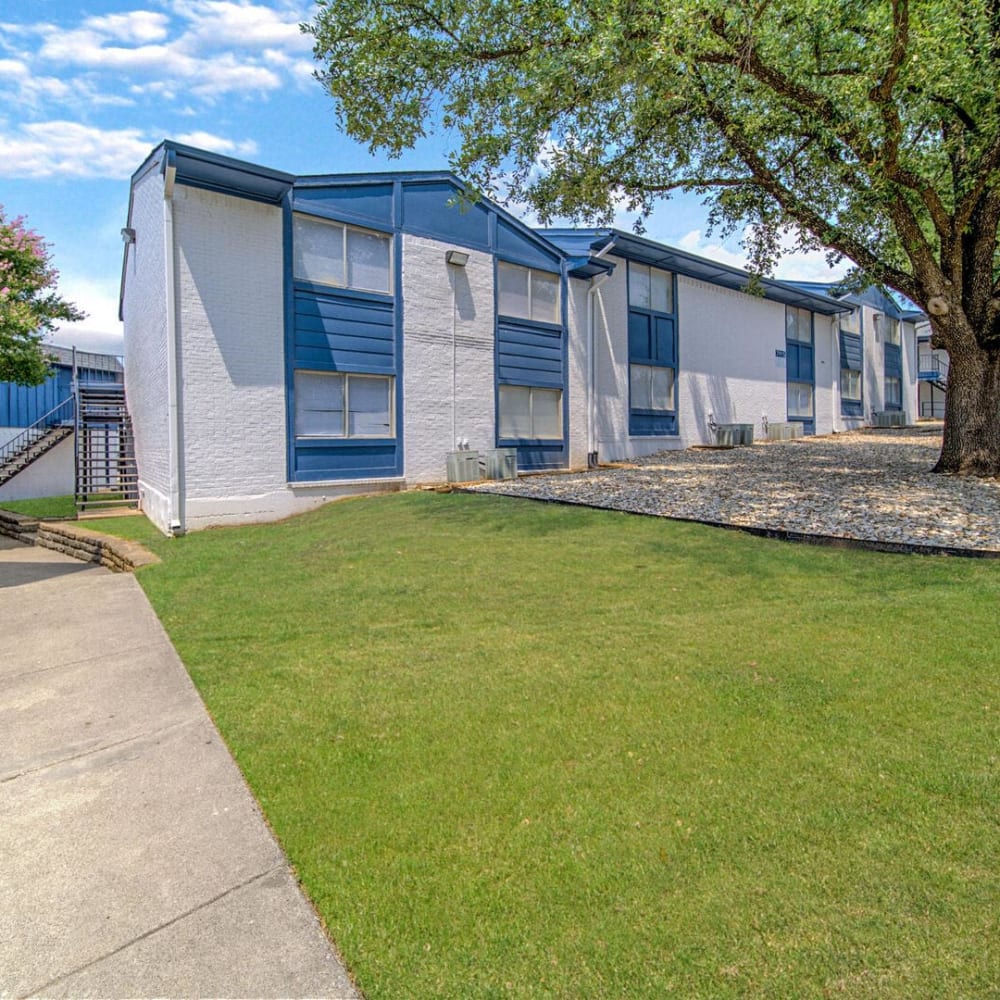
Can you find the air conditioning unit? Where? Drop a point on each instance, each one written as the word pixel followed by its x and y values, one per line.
pixel 784 430
pixel 463 466
pixel 498 463
pixel 890 418
pixel 730 435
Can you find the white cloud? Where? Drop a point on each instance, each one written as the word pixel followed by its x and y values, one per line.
pixel 201 48
pixel 695 242
pixel 100 331
pixel 245 24
pixel 217 144
pixel 47 149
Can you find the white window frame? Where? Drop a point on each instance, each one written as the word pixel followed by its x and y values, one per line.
pixel 893 402
pixel 531 390
pixel 648 269
pixel 892 335
pixel 798 312
pixel 852 375
pixel 529 273
pixel 344 230
pixel 798 387
pixel 348 377
pixel 650 369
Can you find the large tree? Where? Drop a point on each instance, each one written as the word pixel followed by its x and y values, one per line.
pixel 29 304
pixel 870 128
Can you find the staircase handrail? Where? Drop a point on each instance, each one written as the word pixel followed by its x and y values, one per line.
pixel 63 413
pixel 934 363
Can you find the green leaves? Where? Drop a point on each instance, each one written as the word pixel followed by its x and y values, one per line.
pixel 29 305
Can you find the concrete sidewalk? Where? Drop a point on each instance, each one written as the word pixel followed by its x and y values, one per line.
pixel 133 860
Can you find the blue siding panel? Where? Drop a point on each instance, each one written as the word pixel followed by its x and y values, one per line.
pixel 651 422
pixel 529 355
pixel 893 360
pixel 362 202
pixel 538 455
pixel 348 459
pixel 799 361
pixel 652 339
pixel 21 405
pixel 851 352
pixel 514 245
pixel 346 333
pixel 426 210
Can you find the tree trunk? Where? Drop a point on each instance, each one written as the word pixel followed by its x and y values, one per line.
pixel 971 444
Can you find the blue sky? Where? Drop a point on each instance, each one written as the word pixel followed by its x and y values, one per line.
pixel 89 87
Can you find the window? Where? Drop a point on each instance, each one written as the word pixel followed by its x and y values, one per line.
pixel 530 413
pixel 851 322
pixel 850 385
pixel 893 392
pixel 800 400
pixel 798 325
pixel 652 388
pixel 892 331
pixel 329 253
pixel 332 404
pixel 650 288
pixel 524 293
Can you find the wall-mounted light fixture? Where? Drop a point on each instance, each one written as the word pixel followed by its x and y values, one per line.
pixel 128 235
pixel 457 257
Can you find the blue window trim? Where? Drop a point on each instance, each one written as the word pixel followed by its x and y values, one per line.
pixel 893 370
pixel 330 213
pixel 809 423
pixel 669 418
pixel 296 445
pixel 852 407
pixel 556 449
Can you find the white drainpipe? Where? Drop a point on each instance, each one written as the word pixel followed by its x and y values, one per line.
pixel 174 430
pixel 595 284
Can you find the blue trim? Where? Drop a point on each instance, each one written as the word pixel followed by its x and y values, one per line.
pixel 652 340
pixel 801 355
pixel 851 359
pixel 524 354
pixel 397 255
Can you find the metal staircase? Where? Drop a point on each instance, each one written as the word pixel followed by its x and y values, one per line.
pixel 106 475
pixel 34 441
pixel 933 369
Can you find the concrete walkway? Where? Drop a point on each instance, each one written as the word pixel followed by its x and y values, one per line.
pixel 133 859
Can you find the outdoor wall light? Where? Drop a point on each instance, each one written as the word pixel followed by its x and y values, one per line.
pixel 128 235
pixel 456 257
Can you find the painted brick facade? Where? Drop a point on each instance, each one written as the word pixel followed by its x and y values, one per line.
pixel 448 356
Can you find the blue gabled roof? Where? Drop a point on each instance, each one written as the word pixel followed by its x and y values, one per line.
pixel 578 241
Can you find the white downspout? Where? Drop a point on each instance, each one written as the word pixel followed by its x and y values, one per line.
pixel 174 435
pixel 595 284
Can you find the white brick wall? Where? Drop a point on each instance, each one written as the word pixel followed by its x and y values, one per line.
pixel 439 299
pixel 577 375
pixel 728 360
pixel 728 365
pixel 145 315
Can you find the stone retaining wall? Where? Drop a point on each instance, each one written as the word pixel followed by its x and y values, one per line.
pixel 18 526
pixel 117 554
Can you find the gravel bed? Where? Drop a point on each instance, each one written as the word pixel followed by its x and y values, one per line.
pixel 874 487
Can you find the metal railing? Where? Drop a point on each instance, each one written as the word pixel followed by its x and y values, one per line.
pixel 59 416
pixel 933 366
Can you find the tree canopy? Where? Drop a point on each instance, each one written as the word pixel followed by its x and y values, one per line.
pixel 29 303
pixel 871 128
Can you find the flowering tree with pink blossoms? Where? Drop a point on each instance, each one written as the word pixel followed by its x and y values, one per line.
pixel 29 303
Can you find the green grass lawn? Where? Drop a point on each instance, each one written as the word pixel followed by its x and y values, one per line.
pixel 524 750
pixel 58 507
